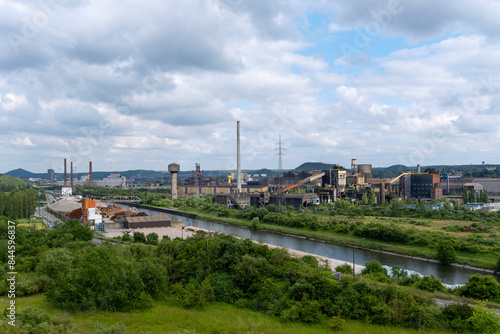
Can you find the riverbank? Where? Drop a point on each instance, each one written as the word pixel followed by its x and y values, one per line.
pixel 327 237
pixel 411 252
pixel 189 231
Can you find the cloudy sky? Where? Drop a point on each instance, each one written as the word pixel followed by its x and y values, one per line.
pixel 139 84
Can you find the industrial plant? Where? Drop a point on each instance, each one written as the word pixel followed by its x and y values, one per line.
pixel 291 188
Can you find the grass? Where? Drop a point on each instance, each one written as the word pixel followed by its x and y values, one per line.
pixel 7 180
pixel 27 222
pixel 215 318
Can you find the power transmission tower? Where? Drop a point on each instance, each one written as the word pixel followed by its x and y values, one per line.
pixel 280 155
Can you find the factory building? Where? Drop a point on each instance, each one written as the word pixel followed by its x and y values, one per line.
pixel 492 186
pixel 336 177
pixel 51 176
pixel 421 185
pixel 111 181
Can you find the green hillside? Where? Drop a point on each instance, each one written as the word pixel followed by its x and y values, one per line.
pixel 8 183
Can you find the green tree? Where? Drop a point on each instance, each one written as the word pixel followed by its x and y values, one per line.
pixel 483 196
pixel 255 222
pixel 395 208
pixel 56 263
pixel 139 237
pixel 472 196
pixel 465 196
pixel 152 238
pixel 99 279
pixel 371 199
pixel 446 252
pixel 364 199
pixel 421 210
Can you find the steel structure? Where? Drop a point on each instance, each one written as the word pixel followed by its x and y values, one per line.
pixel 447 177
pixel 280 155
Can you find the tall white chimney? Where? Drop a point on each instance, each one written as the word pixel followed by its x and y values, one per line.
pixel 238 185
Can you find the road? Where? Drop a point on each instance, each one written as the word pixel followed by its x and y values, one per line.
pixel 47 217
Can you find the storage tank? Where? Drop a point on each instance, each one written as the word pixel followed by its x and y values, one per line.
pixel 366 170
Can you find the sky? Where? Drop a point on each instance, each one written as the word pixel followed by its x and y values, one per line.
pixel 140 84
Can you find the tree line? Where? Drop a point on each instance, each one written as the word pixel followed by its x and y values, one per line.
pixel 18 204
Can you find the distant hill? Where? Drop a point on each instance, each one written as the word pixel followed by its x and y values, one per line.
pixel 24 173
pixel 8 183
pixel 398 168
pixel 314 166
pixel 266 171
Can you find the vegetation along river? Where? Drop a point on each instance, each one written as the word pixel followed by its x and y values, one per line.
pixel 449 275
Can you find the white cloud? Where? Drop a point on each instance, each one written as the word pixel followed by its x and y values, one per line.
pixel 22 142
pixel 148 83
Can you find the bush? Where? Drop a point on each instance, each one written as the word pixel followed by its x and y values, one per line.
pixel 139 237
pixel 255 222
pixel 344 269
pixel 152 238
pixel 374 267
pixel 481 287
pixel 127 238
pixel 100 279
pixel 336 323
pixel 457 316
pixel 484 320
pixel 430 283
pixel 446 252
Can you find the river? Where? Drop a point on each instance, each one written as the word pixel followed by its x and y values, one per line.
pixel 449 275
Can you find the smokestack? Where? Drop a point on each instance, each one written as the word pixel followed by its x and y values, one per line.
pixel 71 178
pixel 382 193
pixel 65 179
pixel 90 173
pixel 418 168
pixel 238 184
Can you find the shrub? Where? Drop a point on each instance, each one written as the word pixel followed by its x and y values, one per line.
pixel 374 267
pixel 457 316
pixel 484 320
pixel 430 283
pixel 152 238
pixel 139 237
pixel 481 287
pixel 255 222
pixel 344 269
pixel 127 238
pixel 446 252
pixel 336 323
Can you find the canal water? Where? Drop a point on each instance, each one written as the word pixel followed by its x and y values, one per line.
pixel 449 275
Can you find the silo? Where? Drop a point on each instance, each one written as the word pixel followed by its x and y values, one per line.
pixel 366 170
